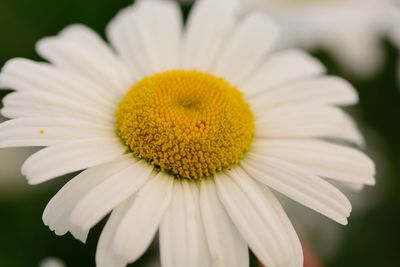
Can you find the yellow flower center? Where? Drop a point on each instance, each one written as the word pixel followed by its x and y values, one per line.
pixel 187 123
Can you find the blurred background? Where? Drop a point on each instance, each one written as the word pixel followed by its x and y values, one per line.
pixel 370 239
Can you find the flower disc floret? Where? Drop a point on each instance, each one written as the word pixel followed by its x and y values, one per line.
pixel 187 123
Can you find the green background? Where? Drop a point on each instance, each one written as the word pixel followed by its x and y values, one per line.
pixel 371 238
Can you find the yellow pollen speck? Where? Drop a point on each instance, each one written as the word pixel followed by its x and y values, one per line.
pixel 41 131
pixel 187 123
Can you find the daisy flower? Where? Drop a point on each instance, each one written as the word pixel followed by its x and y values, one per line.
pixel 185 130
pixel 351 30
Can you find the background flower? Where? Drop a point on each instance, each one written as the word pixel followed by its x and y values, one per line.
pixel 51 262
pixel 351 30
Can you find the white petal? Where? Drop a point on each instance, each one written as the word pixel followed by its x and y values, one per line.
pixel 26 75
pixel 281 68
pixel 46 131
pixel 208 25
pixel 29 104
pixel 307 189
pixel 123 34
pixel 246 48
pixel 68 157
pixel 142 219
pixel 227 246
pixel 159 25
pixel 268 234
pixel 105 256
pixel 58 211
pixel 297 250
pixel 108 194
pixel 351 132
pixel 305 121
pixel 182 238
pixel 326 90
pixel 173 231
pixel 88 56
pixel 321 158
pixel 86 37
pixel 148 35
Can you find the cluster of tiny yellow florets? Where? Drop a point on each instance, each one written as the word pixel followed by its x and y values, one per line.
pixel 188 123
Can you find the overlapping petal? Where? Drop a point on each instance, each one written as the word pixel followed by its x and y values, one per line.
pixel 182 237
pixel 148 36
pixel 69 106
pixel 68 157
pixel 260 222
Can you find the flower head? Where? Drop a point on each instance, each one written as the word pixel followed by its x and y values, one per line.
pixel 183 130
pixel 187 123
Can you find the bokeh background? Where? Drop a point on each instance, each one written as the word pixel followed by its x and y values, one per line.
pixel 371 238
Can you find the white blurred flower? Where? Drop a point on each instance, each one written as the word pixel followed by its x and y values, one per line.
pixel 351 30
pixel 184 130
pixel 51 262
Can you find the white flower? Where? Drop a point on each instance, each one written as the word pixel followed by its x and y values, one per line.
pixel 350 29
pixel 51 262
pixel 222 143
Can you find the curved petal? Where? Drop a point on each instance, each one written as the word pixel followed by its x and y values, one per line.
pixel 68 157
pixel 245 49
pixel 105 256
pixel 281 68
pixel 321 158
pixel 208 24
pixel 78 49
pixel 46 131
pixel 124 37
pixel 351 133
pixel 58 211
pixel 326 90
pixel 86 37
pixel 148 35
pixel 305 121
pixel 307 189
pixel 29 76
pixel 141 220
pixel 227 246
pixel 182 237
pixel 296 248
pixel 30 104
pixel 102 198
pixel 268 234
pixel 160 28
